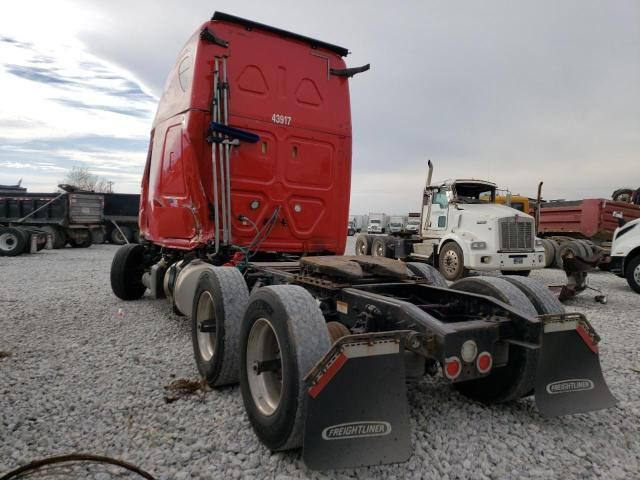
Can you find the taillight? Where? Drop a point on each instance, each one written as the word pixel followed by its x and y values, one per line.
pixel 484 362
pixel 452 368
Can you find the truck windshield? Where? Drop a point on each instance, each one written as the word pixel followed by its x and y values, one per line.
pixel 474 193
pixel 375 221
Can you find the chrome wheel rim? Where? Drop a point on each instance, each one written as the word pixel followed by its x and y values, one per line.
pixel 265 386
pixel 362 248
pixel 451 262
pixel 8 242
pixel 636 274
pixel 206 340
pixel 379 252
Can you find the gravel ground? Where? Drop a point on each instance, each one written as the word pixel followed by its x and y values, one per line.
pixel 86 373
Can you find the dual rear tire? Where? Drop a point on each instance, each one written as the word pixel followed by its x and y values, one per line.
pixel 516 379
pixel 267 341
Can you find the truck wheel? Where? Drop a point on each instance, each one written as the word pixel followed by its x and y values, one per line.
pixel 451 263
pixel 117 238
pixel 549 252
pixel 13 241
pixel 622 195
pixel 380 247
pixel 219 304
pixel 575 247
pixel 539 295
pixel 424 270
pixel 633 273
pixel 127 269
pixel 97 236
pixel 517 378
pixel 363 244
pixel 58 237
pixel 283 335
pixel 84 243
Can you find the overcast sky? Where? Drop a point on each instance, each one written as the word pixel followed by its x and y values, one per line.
pixel 515 92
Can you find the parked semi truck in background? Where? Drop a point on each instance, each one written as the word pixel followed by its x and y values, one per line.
pixel 413 223
pixel 460 231
pixel 397 224
pixel 378 223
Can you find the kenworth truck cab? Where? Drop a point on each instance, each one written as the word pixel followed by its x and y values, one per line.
pixel 461 231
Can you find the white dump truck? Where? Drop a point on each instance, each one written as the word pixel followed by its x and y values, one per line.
pixel 461 232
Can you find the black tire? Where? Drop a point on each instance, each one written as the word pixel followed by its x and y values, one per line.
pixel 116 237
pixel 574 246
pixel 424 270
pixel 539 295
pixel 222 296
pixel 451 262
pixel 632 272
pixel 127 269
pixel 13 241
pixel 635 197
pixel 622 195
pixel 549 252
pixel 363 244
pixel 289 316
pixel 58 236
pixel 517 378
pixel 555 247
pixel 84 243
pixel 97 236
pixel 516 273
pixel 380 247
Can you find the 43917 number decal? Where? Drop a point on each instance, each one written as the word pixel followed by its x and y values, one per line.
pixel 281 119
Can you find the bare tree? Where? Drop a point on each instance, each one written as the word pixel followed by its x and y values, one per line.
pixel 83 179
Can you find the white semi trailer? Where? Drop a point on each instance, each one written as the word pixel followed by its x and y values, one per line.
pixel 460 232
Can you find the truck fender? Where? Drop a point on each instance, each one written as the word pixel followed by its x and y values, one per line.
pixel 628 257
pixel 452 237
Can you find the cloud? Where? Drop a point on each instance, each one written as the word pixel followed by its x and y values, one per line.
pixel 62 106
pixel 515 92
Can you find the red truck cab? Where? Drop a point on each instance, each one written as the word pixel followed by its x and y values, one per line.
pixel 289 90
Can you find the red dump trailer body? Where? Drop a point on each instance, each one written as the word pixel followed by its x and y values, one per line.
pixel 279 88
pixel 590 218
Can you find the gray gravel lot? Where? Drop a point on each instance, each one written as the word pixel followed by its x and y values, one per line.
pixel 82 378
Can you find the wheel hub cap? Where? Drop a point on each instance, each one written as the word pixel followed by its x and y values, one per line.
pixel 8 242
pixel 451 261
pixel 206 340
pixel 263 348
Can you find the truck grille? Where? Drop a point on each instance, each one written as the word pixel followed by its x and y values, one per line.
pixel 516 235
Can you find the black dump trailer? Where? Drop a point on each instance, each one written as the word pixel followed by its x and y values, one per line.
pixel 67 217
pixel 121 217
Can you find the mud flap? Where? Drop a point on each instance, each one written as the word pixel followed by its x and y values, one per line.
pixel 357 411
pixel 569 378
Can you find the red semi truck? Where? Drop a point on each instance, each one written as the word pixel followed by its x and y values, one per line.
pixel 244 207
